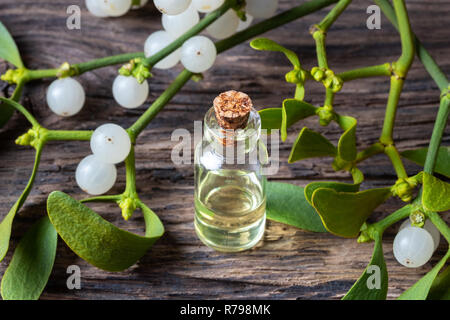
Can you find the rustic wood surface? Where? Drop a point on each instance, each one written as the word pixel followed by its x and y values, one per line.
pixel 288 263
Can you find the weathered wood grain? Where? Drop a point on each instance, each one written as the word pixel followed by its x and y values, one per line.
pixel 289 263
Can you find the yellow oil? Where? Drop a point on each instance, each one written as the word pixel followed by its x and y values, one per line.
pixel 230 209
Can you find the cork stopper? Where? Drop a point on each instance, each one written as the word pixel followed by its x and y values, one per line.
pixel 232 109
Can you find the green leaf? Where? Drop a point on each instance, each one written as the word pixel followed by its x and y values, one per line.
pixel 270 118
pixel 357 175
pixel 6 113
pixel 269 45
pixel 95 239
pixel 286 203
pixel 6 107
pixel 299 91
pixel 347 142
pixel 420 290
pixel 8 48
pixel 440 289
pixel 6 224
pixel 340 187
pixel 436 194
pixel 343 213
pixel 31 264
pixel 442 162
pixel 293 111
pixel 366 287
pixel 310 144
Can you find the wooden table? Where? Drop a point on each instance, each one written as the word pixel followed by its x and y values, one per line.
pixel 289 263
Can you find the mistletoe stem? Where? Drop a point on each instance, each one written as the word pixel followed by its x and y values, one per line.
pixel 106 61
pixel 130 169
pixel 80 68
pixel 158 105
pixel 329 97
pixel 404 62
pixel 440 224
pixel 398 215
pixel 436 137
pixel 129 200
pixel 394 156
pixel 334 13
pixel 319 36
pixel 319 32
pixel 108 198
pixel 272 23
pixel 57 135
pixel 400 70
pixel 391 110
pixel 39 74
pixel 431 66
pixel 384 69
pixel 18 91
pixel 374 149
pixel 426 59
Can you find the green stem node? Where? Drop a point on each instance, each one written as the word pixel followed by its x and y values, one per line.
pixel 199 27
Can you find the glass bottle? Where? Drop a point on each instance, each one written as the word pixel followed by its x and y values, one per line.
pixel 230 198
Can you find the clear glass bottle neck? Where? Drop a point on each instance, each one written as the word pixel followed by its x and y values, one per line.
pixel 243 140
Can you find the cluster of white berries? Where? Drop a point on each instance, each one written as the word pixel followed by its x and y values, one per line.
pixel 414 246
pixel 111 8
pixel 110 143
pixel 116 8
pixel 96 173
pixel 199 53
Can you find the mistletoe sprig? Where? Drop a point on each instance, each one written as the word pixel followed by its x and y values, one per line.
pixel 84 231
pixel 344 209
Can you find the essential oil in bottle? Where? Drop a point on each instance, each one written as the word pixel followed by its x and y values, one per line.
pixel 230 199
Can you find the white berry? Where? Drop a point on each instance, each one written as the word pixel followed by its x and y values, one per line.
pixel 110 143
pixel 198 54
pixel 178 24
pixel 115 8
pixel 159 40
pixel 413 247
pixel 261 8
pixel 65 97
pixel 245 24
pixel 430 227
pixel 95 177
pixel 95 8
pixel 128 92
pixel 172 7
pixel 140 5
pixel 207 5
pixel 225 26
